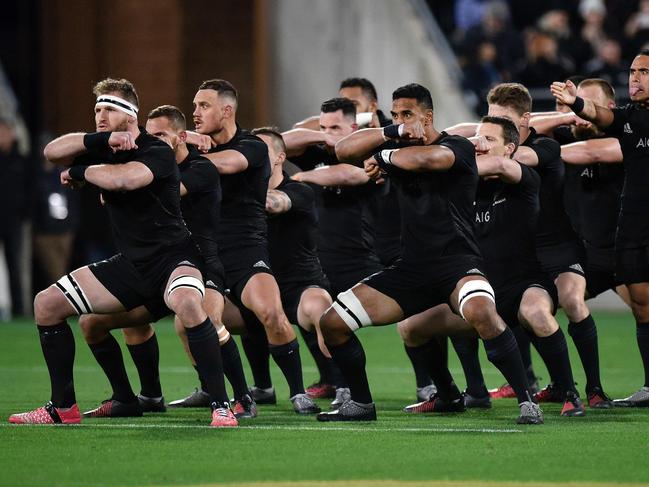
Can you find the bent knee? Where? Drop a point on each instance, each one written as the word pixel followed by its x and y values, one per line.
pixel 334 329
pixel 187 304
pixel 49 305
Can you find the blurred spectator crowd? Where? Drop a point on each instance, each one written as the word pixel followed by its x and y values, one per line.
pixel 536 43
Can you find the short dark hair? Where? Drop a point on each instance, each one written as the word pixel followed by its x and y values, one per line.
pixel 363 83
pixel 221 86
pixel 512 95
pixel 274 134
pixel 335 104
pixel 510 131
pixel 604 85
pixel 175 116
pixel 643 52
pixel 122 86
pixel 416 91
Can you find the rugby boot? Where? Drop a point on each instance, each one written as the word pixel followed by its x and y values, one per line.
pixel 197 399
pixel 572 406
pixel 244 408
pixel 531 413
pixel 321 390
pixel 342 395
pixel 437 405
pixel 549 393
pixel 152 404
pixel 476 402
pixel 639 399
pixel 222 416
pixel 263 396
pixel 303 404
pixel 503 392
pixel 597 399
pixel 48 414
pixel 350 411
pixel 425 393
pixel 112 408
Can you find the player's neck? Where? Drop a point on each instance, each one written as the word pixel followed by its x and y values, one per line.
pixel 134 129
pixel 275 179
pixel 181 153
pixel 226 133
pixel 524 133
pixel 432 134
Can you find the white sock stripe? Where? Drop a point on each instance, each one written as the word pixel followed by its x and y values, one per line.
pixel 188 282
pixel 351 322
pixel 353 304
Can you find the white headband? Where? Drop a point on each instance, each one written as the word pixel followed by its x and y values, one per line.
pixel 116 102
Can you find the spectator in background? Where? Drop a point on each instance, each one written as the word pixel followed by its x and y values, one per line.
pixel 14 208
pixel 636 29
pixel 55 222
pixel 593 12
pixel 480 75
pixel 557 23
pixel 544 62
pixel 496 29
pixel 468 13
pixel 608 64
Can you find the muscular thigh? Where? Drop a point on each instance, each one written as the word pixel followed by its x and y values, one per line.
pixel 89 289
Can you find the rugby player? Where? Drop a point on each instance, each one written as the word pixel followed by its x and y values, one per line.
pixel 629 124
pixel 436 180
pixel 139 182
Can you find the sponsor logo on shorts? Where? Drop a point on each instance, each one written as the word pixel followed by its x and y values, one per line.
pixel 261 263
pixel 501 200
pixel 475 271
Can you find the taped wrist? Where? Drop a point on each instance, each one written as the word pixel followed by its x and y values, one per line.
pixel 578 105
pixel 78 173
pixel 384 158
pixel 96 140
pixel 393 131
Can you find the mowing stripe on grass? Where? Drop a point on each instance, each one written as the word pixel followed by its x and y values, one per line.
pixel 426 483
pixel 275 428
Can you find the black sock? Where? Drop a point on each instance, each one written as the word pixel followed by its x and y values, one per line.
pixel 350 358
pixel 523 340
pixel 287 358
pixel 419 363
pixel 502 351
pixel 437 351
pixel 584 336
pixel 200 378
pixel 109 357
pixel 467 351
pixel 327 368
pixel 204 347
pixel 255 346
pixel 233 368
pixel 146 357
pixel 57 343
pixel 554 352
pixel 642 335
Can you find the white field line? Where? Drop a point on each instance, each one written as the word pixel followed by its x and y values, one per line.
pixel 281 428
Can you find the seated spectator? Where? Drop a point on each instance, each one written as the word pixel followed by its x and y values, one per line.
pixel 608 64
pixel 544 62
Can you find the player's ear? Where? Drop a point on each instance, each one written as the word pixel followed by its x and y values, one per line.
pixel 228 111
pixel 281 157
pixel 510 149
pixel 183 135
pixel 429 117
pixel 525 119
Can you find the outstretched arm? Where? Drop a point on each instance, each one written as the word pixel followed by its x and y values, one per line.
pixel 592 151
pixel 463 129
pixel 297 140
pixel 63 150
pixel 417 158
pixel 277 202
pixel 338 175
pixel 566 93
pixel 311 123
pixel 546 123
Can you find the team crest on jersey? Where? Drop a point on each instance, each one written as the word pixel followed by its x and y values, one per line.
pixel 261 263
pixel 627 128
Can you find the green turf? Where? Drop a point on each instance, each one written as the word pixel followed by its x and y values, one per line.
pixel 177 449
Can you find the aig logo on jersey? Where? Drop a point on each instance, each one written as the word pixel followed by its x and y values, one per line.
pixel 643 142
pixel 482 216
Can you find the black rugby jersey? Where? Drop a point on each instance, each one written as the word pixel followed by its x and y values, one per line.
pixel 437 212
pixel 243 204
pixel 506 215
pixel 201 206
pixel 631 126
pixel 345 231
pixel 292 236
pixel 553 224
pixel 147 220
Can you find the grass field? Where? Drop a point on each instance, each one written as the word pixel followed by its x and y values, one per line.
pixel 281 448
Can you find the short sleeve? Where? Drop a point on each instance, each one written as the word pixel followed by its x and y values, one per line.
pixel 302 196
pixel 158 157
pixel 547 150
pixel 201 176
pixel 253 149
pixel 462 148
pixel 312 157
